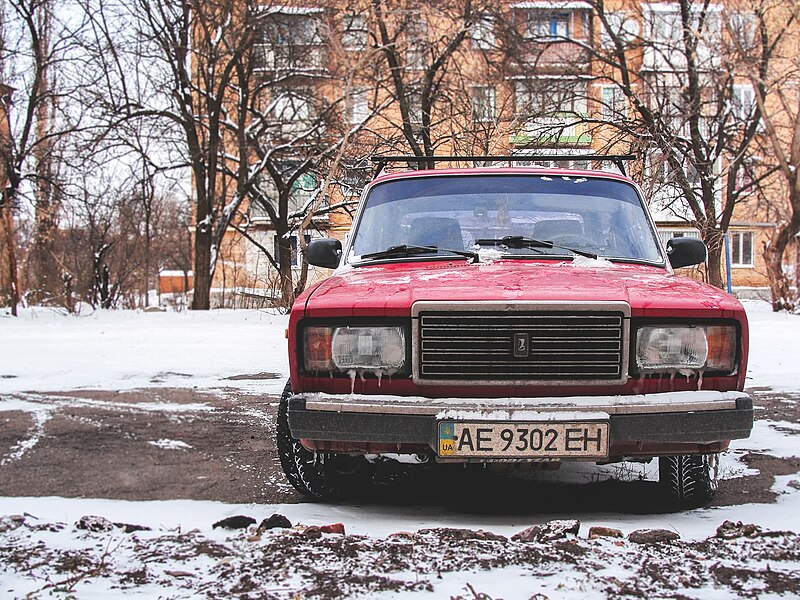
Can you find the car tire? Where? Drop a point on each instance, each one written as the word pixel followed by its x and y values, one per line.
pixel 320 476
pixel 690 479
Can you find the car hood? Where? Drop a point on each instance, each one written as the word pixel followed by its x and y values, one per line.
pixel 391 289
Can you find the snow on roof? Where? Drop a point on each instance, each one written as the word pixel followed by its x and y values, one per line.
pixel 567 5
pixel 293 10
pixel 167 273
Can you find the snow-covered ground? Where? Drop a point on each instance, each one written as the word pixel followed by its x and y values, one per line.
pixel 45 350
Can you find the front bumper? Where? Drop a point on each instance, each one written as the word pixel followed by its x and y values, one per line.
pixel 643 425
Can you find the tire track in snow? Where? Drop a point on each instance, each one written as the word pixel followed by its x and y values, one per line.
pixel 40 418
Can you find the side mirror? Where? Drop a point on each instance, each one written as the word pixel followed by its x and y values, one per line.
pixel 685 252
pixel 324 252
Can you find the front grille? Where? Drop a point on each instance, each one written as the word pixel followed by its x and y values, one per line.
pixel 527 346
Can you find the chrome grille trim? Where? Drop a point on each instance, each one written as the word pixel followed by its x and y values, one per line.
pixel 576 343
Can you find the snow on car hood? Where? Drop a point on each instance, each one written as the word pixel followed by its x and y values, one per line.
pixel 391 289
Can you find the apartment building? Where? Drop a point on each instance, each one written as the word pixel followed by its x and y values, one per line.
pixel 538 77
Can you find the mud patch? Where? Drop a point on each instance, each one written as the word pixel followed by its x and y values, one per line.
pixel 146 444
pixel 254 377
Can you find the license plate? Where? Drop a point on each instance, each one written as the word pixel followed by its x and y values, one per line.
pixel 458 439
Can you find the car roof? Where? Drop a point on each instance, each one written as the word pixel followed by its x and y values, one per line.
pixel 478 171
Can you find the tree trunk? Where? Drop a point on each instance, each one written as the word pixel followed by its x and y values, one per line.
pixel 104 293
pixel 715 242
pixel 285 264
pixel 11 255
pixel 203 246
pixel 43 271
pixel 69 300
pixel 201 299
pixel 779 285
pixel 147 244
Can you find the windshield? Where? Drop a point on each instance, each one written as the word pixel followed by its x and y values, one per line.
pixel 600 216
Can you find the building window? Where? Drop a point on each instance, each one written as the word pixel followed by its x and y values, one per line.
pixel 665 235
pixel 483 36
pixel 358 107
pixel 353 179
pixel 662 172
pixel 664 24
pixel 741 248
pixel 414 101
pixel 293 244
pixel 744 101
pixel 354 32
pixel 484 103
pixel 542 25
pixel 292 109
pixel 613 104
pixel 290 41
pixel 620 26
pixel 539 97
pixel 417 42
pixel 742 28
pixel 746 177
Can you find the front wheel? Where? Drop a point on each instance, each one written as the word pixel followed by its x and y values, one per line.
pixel 318 475
pixel 690 479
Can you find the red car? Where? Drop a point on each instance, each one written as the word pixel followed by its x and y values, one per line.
pixel 510 314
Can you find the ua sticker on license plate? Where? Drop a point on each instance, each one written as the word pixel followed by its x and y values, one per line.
pixel 459 439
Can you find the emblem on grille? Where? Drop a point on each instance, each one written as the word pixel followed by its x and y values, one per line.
pixel 521 345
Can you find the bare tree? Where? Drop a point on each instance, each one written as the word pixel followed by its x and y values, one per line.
pixel 8 240
pixel 419 59
pixel 42 62
pixel 778 98
pixel 670 91
pixel 184 56
pixel 312 109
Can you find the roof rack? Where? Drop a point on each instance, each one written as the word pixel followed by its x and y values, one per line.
pixel 617 159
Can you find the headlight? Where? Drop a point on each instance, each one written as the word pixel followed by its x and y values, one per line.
pixel 686 348
pixel 352 348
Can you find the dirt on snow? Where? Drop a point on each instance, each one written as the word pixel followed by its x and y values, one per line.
pixel 181 443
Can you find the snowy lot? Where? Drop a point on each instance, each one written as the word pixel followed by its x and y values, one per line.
pixel 427 550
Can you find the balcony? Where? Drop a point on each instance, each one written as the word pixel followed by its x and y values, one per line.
pixel 555 57
pixel 561 129
pixel 291 59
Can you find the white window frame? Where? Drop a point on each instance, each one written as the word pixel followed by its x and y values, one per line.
pixel 546 25
pixel 743 101
pixel 740 239
pixel 483 34
pixel 665 235
pixel 623 25
pixel 742 27
pixel 546 97
pixel 484 103
pixel 292 108
pixel 358 107
pixel 354 31
pixel 614 105
pixel 295 247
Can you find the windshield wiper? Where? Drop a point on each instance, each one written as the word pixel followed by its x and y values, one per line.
pixel 518 241
pixel 410 250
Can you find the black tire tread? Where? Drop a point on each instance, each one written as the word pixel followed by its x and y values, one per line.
pixel 690 479
pixel 308 473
